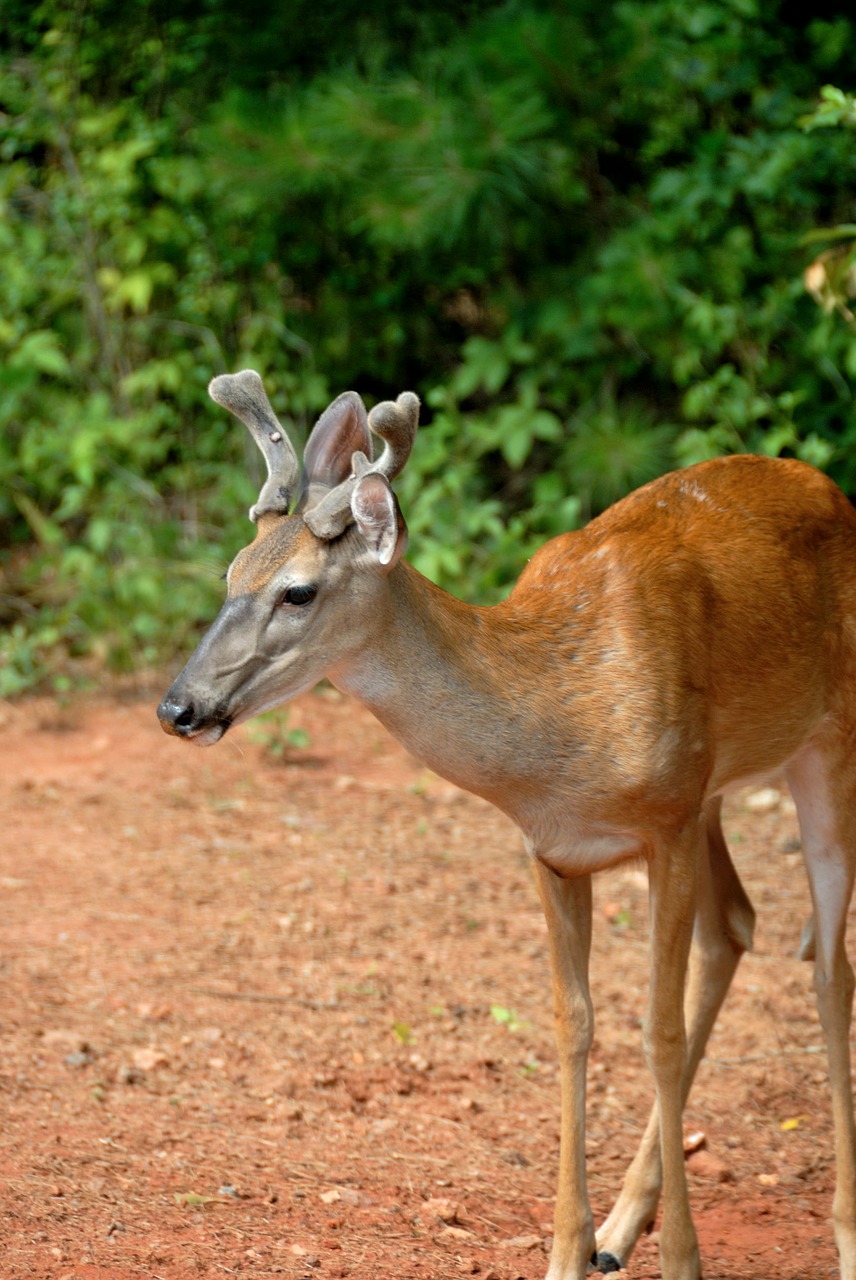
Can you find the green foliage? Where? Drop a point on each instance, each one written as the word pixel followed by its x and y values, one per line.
pixel 278 741
pixel 831 277
pixel 507 1018
pixel 402 1033
pixel 600 241
pixel 112 505
pixel 835 108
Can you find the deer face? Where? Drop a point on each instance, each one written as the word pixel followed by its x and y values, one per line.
pixel 304 594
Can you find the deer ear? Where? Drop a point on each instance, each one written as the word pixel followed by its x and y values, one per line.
pixel 379 519
pixel 340 432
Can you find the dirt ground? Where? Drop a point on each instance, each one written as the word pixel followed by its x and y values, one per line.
pixel 290 1016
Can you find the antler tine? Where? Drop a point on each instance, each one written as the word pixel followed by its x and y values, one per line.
pixel 395 422
pixel 243 394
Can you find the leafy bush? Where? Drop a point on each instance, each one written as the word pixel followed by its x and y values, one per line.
pixel 599 243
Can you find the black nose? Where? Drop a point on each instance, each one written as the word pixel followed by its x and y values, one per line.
pixel 177 717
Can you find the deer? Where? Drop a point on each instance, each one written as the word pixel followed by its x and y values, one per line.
pixel 697 636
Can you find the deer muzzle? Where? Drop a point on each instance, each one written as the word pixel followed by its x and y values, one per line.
pixel 181 718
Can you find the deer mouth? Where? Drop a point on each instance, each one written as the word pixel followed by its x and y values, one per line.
pixel 207 737
pixel 183 720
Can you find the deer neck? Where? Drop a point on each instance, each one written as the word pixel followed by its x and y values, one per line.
pixel 444 677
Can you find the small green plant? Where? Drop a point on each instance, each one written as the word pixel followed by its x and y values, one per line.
pixel 402 1032
pixel 192 1200
pixel 507 1018
pixel 21 654
pixel 271 732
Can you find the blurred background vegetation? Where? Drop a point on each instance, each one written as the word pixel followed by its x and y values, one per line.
pixel 600 239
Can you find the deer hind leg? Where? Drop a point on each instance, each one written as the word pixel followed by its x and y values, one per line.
pixel 567 908
pixel 823 782
pixel 723 928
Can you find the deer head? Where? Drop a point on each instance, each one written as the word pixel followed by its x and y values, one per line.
pixel 304 594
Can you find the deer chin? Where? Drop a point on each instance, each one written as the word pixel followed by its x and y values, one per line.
pixel 207 737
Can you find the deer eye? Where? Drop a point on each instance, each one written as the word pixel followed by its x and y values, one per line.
pixel 298 595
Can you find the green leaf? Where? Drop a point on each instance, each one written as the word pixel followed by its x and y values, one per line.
pixel 40 351
pixel 45 531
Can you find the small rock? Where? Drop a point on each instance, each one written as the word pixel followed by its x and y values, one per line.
pixel 441 1208
pixel 455 1233
pixel 521 1242
pixel 341 1195
pixel 309 1259
pixel 64 1038
pixel 154 1012
pixel 148 1059
pixel 703 1164
pixel 764 801
pixel 81 1059
pixel 694 1140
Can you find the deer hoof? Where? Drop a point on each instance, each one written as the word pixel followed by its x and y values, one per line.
pixel 606 1262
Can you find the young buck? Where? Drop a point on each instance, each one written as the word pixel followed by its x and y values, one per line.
pixel 699 634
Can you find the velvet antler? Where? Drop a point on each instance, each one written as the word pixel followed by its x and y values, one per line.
pixel 394 422
pixel 243 394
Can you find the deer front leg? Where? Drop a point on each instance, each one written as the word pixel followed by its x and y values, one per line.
pixel 567 907
pixel 673 875
pixel 723 929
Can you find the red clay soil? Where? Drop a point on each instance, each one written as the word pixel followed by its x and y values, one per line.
pixel 291 1016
